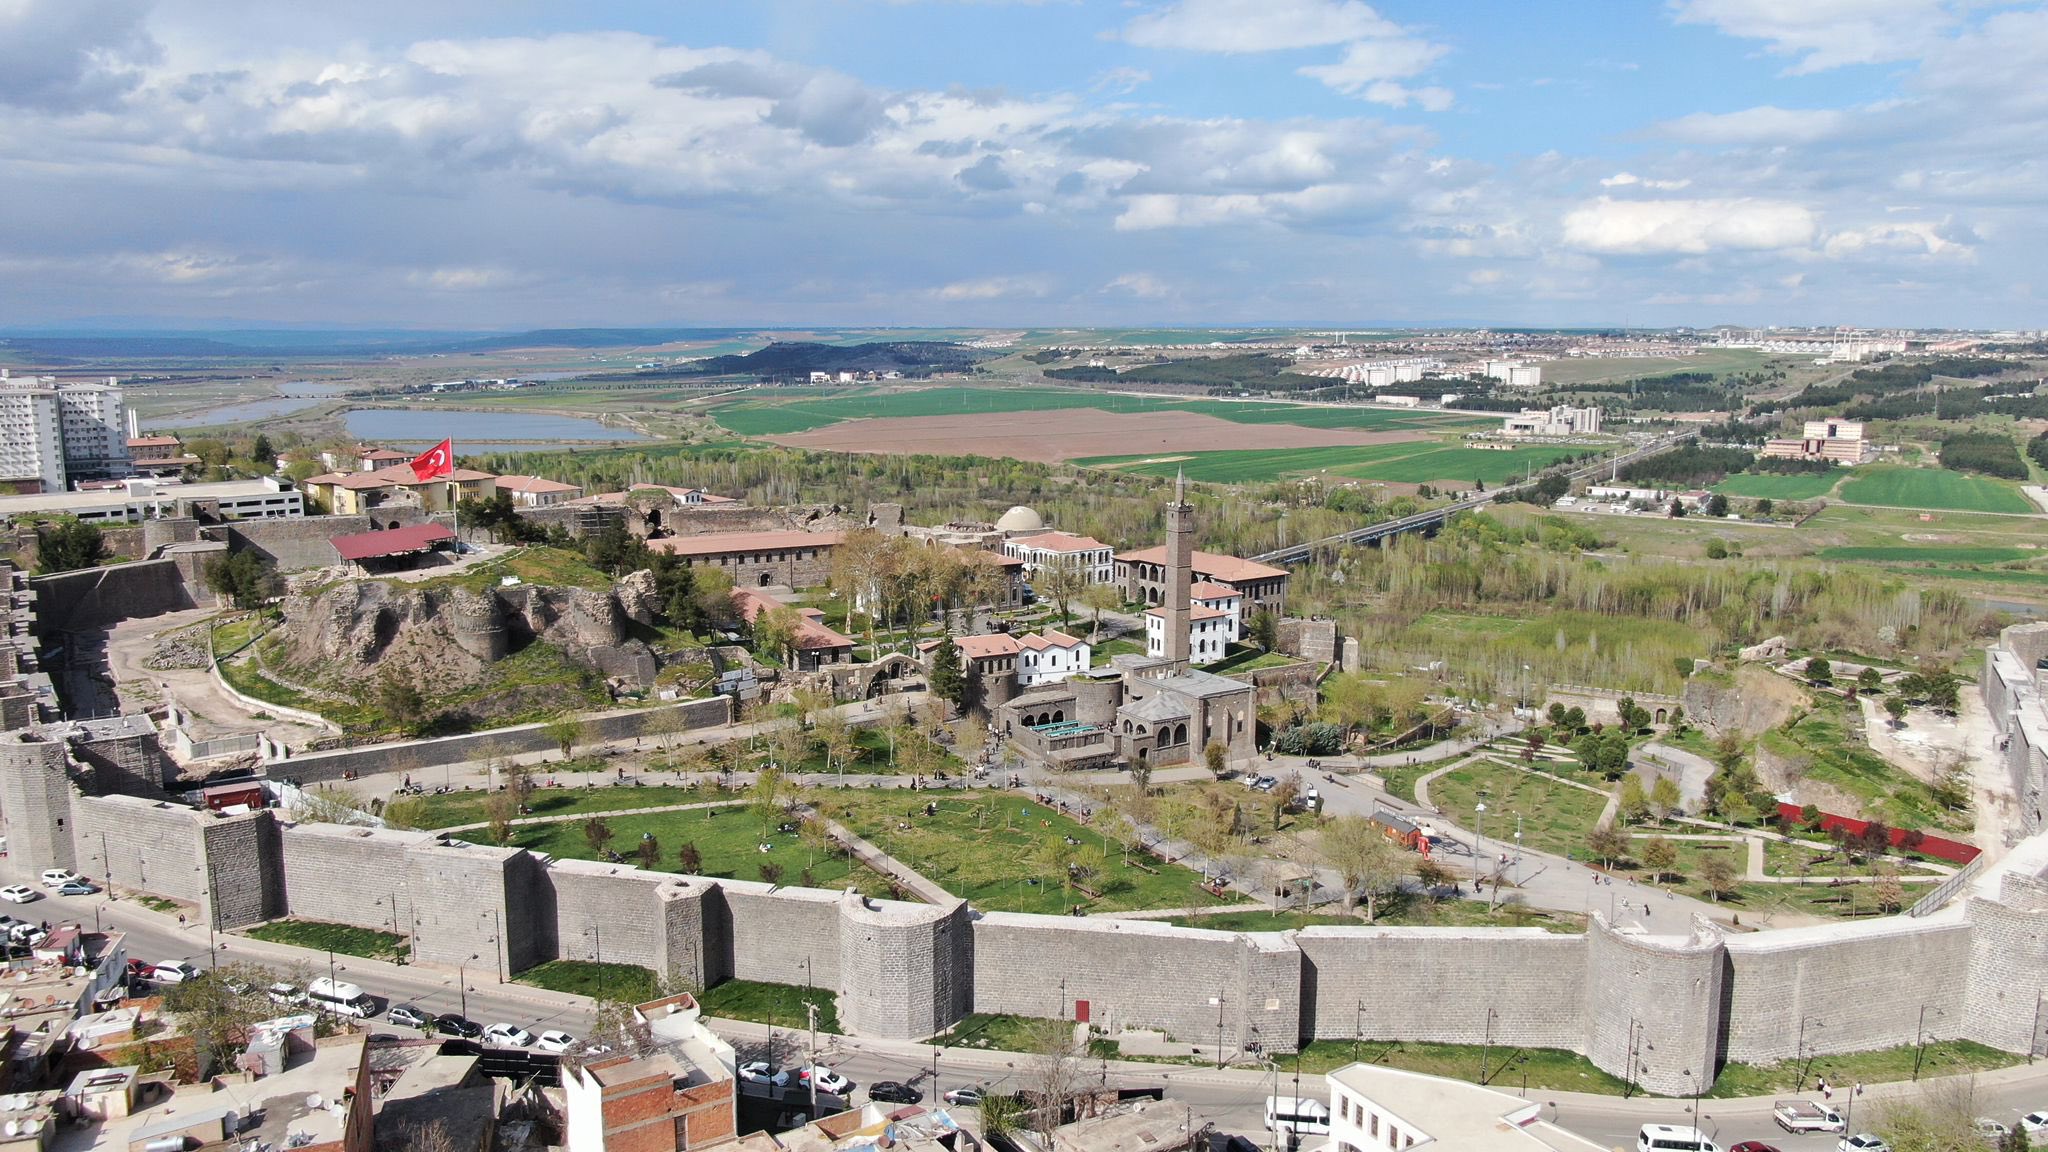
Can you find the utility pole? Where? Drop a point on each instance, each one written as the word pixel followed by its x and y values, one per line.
pixel 811 1012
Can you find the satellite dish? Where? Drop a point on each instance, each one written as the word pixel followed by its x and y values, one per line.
pixel 88 1043
pixel 314 1103
pixel 13 1128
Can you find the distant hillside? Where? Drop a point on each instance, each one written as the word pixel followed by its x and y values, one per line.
pixel 793 360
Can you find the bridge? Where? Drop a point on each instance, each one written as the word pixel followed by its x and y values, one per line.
pixel 1433 519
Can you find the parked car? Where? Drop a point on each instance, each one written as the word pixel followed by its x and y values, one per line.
pixel 892 1092
pixel 284 993
pixel 58 877
pixel 1861 1142
pixel 27 935
pixel 172 972
pixel 827 1079
pixel 19 894
pixel 762 1072
pixel 79 888
pixel 508 1036
pixel 410 1016
pixel 1752 1146
pixel 969 1097
pixel 2035 1123
pixel 1991 1129
pixel 555 1041
pixel 450 1024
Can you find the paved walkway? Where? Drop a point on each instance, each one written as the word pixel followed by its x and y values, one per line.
pixel 927 890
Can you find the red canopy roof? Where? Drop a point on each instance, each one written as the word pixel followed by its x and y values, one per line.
pixel 391 541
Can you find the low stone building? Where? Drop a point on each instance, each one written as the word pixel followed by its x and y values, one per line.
pixel 790 558
pixel 1142 576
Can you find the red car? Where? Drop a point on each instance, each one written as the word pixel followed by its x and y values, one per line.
pixel 1753 1146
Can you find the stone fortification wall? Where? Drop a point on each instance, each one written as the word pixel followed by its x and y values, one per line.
pixel 1314 639
pixel 414 755
pixel 244 869
pixel 1855 986
pixel 2006 1003
pixel 782 935
pixel 608 912
pixel 298 544
pixel 1132 973
pixel 898 966
pixel 99 597
pixel 147 845
pixel 1438 984
pixel 349 875
pixel 35 808
pixel 477 900
pixel 1653 1006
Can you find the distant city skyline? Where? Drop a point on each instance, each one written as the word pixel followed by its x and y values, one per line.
pixel 975 163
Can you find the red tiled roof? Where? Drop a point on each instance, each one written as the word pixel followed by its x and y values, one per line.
pixel 1210 590
pixel 1061 542
pixel 153 442
pixel 1211 565
pixel 383 454
pixel 1195 612
pixel 391 541
pixel 719 543
pixel 984 647
pixel 535 484
pixel 1038 643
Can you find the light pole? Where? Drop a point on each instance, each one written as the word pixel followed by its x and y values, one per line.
pixel 1486 1048
pixel 1800 1054
pixel 330 969
pixel 462 984
pixel 1697 1119
pixel 1920 1037
pixel 498 943
pixel 1478 840
pixel 597 950
pixel 1518 849
pixel 1219 1020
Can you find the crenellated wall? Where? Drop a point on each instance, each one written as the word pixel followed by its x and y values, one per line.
pixel 1653 1006
pixel 898 967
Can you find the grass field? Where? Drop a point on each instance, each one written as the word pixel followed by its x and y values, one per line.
pixel 628 982
pixel 474 807
pixel 1404 911
pixel 1586 369
pixel 1926 554
pixel 752 417
pixel 1899 487
pixel 322 936
pixel 1794 486
pixel 1821 741
pixel 1000 1032
pixel 1548 1069
pixel 1413 462
pixel 779 1004
pixel 1006 854
pixel 1941 1058
pixel 1555 817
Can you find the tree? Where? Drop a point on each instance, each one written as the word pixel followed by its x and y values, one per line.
pixel 401 702
pixel 1820 672
pixel 1659 855
pixel 567 732
pixel 648 851
pixel 1717 506
pixel 69 545
pixel 1635 803
pixel 1432 876
pixel 1889 891
pixel 771 872
pixel 1100 598
pixel 1717 872
pixel 218 1009
pixel 1869 680
pixel 836 736
pixel 689 859
pixel 1895 707
pixel 775 633
pixel 711 588
pixel 1060 583
pixel 766 799
pixel 1608 843
pixel 948 682
pixel 408 813
pixel 597 833
pixel 499 812
pixel 1263 629
pixel 1141 775
pixel 1664 798
pixel 1370 864
pixel 1764 506
pixel 615 1024
pixel 1000 1114
pixel 1052 1071
pixel 1216 756
pixel 1677 508
pixel 244 579
pixel 1283 796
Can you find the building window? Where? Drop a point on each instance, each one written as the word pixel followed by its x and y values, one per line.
pixel 1375 1130
pixel 1393 1136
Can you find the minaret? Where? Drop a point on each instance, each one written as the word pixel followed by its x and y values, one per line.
pixel 1180 572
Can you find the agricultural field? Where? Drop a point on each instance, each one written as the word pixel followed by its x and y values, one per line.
pixel 1927 554
pixel 1587 370
pixel 1791 486
pixel 1900 487
pixel 1413 462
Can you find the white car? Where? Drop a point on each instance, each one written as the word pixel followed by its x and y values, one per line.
pixel 1862 1142
pixel 59 877
pixel 554 1041
pixel 827 1079
pixel 508 1035
pixel 19 894
pixel 285 994
pixel 2035 1123
pixel 173 972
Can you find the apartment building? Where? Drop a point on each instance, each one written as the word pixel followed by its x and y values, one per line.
pixel 1561 420
pixel 1044 551
pixel 52 434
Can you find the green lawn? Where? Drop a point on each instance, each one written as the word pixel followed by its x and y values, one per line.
pixel 1555 817
pixel 1821 739
pixel 1239 465
pixel 1461 466
pixel 728 841
pixel 607 981
pixel 1927 553
pixel 1401 781
pixel 1546 1069
pixel 552 567
pixel 781 1005
pixel 474 807
pixel 1895 486
pixel 998 1032
pixel 1007 854
pixel 322 936
pixel 1940 1058
pixel 1781 486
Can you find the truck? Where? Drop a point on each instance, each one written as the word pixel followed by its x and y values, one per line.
pixel 1806 1116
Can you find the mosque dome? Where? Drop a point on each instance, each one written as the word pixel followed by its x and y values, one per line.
pixel 1020 519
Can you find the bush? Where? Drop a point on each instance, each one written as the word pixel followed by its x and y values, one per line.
pixel 1318 739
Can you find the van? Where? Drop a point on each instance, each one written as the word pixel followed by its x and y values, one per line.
pixel 1672 1138
pixel 1295 1116
pixel 340 997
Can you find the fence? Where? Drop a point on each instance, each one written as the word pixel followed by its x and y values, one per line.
pixel 224 746
pixel 1946 891
pixel 1939 847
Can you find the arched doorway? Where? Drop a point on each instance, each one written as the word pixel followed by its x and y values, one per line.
pixel 767 578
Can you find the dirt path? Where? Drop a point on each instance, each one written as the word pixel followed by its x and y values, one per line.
pixel 212 712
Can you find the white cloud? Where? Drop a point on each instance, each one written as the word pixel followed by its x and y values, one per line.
pixel 1369 61
pixel 1651 227
pixel 1631 180
pixel 994 288
pixel 1256 25
pixel 1143 285
pixel 1760 125
pixel 467 279
pixel 1826 34
pixel 1915 238
pixel 1121 80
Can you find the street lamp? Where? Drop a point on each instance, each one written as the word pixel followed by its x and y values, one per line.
pixel 1478 840
pixel 1801 1053
pixel 1486 1048
pixel 498 943
pixel 462 984
pixel 597 943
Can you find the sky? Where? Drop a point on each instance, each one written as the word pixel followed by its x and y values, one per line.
pixel 510 163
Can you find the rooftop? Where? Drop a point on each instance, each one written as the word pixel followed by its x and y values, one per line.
pixel 1455 1115
pixel 1210 590
pixel 1210 565
pixel 391 541
pixel 983 647
pixel 538 484
pixel 60 502
pixel 1195 682
pixel 304 1099
pixel 1051 639
pixel 720 543
pixel 1062 542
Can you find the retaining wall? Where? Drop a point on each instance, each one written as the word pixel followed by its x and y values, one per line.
pixel 101 597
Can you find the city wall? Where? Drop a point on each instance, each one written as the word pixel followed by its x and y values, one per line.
pixel 99 597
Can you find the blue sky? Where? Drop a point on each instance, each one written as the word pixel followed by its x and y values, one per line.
pixel 980 162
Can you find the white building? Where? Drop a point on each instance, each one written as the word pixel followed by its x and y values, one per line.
pixel 134 501
pixel 1562 420
pixel 1048 550
pixel 1515 375
pixel 1378 1109
pixel 1210 633
pixel 1049 657
pixel 538 491
pixel 1622 494
pixel 52 434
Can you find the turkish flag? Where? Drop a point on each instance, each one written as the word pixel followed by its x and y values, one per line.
pixel 436 463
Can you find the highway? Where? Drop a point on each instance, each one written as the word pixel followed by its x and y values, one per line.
pixel 1231 1100
pixel 1301 553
